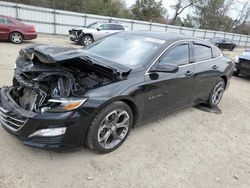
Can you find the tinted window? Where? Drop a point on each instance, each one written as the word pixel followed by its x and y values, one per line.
pixel 116 27
pixel 227 40
pixel 2 20
pixel 202 52
pixel 179 55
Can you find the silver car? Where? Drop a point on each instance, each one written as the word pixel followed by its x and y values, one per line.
pixel 95 31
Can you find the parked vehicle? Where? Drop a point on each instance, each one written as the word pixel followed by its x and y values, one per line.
pixel 224 43
pixel 15 31
pixel 95 31
pixel 64 97
pixel 242 63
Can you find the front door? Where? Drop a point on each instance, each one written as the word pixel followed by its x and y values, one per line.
pixel 166 92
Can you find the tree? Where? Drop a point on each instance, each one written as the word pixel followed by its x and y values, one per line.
pixel 148 10
pixel 212 14
pixel 240 22
pixel 188 21
pixel 179 7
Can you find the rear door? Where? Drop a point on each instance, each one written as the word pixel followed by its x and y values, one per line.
pixel 206 70
pixel 4 28
pixel 166 92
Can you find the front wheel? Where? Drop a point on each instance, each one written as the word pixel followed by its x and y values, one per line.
pixel 87 40
pixel 110 127
pixel 217 93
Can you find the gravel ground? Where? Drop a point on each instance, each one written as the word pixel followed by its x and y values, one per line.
pixel 189 148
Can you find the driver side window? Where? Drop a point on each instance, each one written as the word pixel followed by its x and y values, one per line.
pixel 104 27
pixel 178 55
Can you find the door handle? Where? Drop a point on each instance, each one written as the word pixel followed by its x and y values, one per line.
pixel 215 67
pixel 189 73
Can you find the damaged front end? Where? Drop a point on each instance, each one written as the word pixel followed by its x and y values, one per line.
pixel 50 83
pixel 55 79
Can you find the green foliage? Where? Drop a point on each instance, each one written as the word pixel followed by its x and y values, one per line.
pixel 212 14
pixel 148 10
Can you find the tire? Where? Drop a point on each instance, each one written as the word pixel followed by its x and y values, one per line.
pixel 217 93
pixel 16 37
pixel 104 136
pixel 87 40
pixel 236 73
pixel 231 48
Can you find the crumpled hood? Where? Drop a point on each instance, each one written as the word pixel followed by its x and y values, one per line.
pixel 50 54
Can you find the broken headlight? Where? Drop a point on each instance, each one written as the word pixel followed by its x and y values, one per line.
pixel 64 104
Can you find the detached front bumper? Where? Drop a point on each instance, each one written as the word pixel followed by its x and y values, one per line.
pixel 22 124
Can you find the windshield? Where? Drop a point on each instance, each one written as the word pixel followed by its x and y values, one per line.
pixel 128 50
pixel 93 25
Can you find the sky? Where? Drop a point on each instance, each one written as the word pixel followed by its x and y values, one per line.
pixel 167 3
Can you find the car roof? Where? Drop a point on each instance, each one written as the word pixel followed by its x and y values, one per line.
pixel 6 16
pixel 161 35
pixel 108 22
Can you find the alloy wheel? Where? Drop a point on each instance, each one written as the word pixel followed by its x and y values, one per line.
pixel 113 129
pixel 87 41
pixel 218 93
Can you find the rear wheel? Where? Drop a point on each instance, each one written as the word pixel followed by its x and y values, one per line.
pixel 236 73
pixel 231 48
pixel 110 127
pixel 217 93
pixel 87 40
pixel 16 38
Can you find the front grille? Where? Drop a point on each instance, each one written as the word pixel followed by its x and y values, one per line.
pixel 75 32
pixel 11 121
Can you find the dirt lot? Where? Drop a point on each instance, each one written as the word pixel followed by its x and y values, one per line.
pixel 190 148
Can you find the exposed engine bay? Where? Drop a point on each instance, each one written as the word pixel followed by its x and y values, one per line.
pixel 36 82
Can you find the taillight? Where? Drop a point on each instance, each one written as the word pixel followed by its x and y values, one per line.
pixel 32 29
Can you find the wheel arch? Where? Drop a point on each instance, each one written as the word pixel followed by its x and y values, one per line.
pixel 225 79
pixel 88 34
pixel 134 109
pixel 16 32
pixel 133 106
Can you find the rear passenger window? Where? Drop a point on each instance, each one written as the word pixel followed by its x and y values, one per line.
pixel 179 55
pixel 116 27
pixel 202 52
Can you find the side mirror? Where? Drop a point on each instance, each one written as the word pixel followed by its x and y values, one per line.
pixel 165 67
pixel 98 29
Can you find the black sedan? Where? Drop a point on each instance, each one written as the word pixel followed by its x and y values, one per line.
pixel 65 97
pixel 223 43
